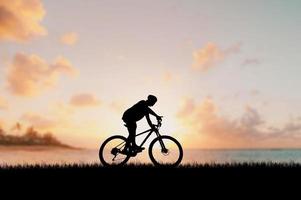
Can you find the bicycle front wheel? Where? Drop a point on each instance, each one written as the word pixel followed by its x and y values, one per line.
pixel 165 150
pixel 111 151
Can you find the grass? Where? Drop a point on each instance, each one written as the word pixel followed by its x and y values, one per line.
pixel 136 168
pixel 81 166
pixel 251 165
pixel 146 177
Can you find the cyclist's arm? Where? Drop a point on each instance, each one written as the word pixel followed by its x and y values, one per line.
pixel 150 111
pixel 149 120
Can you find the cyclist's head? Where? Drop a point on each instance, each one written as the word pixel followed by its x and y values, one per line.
pixel 151 100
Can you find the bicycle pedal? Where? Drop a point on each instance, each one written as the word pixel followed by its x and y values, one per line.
pixel 139 149
pixel 133 154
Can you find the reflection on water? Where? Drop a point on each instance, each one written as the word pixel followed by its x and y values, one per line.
pixel 53 156
pixel 239 155
pixel 63 156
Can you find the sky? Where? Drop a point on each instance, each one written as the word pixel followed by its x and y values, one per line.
pixel 226 73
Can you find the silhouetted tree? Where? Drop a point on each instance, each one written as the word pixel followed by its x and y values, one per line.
pixel 2 133
pixel 17 127
pixel 50 139
pixel 31 133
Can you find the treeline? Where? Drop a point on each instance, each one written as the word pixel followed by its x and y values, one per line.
pixel 30 137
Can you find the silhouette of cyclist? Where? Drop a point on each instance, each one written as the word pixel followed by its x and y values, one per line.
pixel 136 113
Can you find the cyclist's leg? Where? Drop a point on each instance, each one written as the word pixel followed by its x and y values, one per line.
pixel 132 132
pixel 131 126
pixel 132 136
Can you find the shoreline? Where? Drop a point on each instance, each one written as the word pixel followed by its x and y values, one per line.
pixel 36 148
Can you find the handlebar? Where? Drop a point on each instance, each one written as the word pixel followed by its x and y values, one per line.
pixel 159 124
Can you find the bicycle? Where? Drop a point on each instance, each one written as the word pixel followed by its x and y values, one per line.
pixel 163 150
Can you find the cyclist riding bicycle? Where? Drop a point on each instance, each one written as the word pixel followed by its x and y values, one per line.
pixel 136 113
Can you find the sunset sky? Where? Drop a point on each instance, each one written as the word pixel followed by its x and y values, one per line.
pixel 226 73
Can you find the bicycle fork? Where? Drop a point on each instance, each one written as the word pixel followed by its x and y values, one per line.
pixel 163 148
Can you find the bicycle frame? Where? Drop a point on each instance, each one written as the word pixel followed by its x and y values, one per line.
pixel 149 134
pixel 149 131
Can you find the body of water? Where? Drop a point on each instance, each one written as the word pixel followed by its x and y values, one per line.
pixel 63 156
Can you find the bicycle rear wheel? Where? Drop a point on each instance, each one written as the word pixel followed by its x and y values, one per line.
pixel 165 150
pixel 111 151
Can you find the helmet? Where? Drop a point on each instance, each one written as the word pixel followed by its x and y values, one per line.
pixel 152 98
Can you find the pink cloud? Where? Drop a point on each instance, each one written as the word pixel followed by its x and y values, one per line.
pixel 3 103
pixel 84 100
pixel 211 55
pixel 30 75
pixel 169 77
pixel 70 38
pixel 20 20
pixel 38 121
pixel 247 131
pixel 118 106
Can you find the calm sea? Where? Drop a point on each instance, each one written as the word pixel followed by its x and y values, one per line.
pixel 62 156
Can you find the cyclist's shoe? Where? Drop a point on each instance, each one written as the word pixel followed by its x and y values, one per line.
pixel 138 148
pixel 125 151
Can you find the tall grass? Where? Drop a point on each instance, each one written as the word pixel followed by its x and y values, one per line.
pixel 243 165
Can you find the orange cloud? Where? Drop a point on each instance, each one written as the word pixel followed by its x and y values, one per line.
pixel 30 75
pixel 211 55
pixel 169 77
pixel 117 106
pixel 3 103
pixel 2 122
pixel 69 38
pixel 61 109
pixel 214 131
pixel 84 100
pixel 38 121
pixel 20 20
pixel 2 125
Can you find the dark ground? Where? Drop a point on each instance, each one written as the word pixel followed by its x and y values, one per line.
pixel 188 179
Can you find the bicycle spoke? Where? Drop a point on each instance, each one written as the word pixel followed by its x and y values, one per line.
pixel 110 151
pixel 165 150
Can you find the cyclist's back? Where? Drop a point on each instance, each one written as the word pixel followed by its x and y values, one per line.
pixel 136 112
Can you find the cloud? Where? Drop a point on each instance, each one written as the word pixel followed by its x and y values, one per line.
pixel 169 77
pixel 2 123
pixel 84 100
pixel 235 48
pixel 3 103
pixel 30 75
pixel 211 55
pixel 250 61
pixel 20 20
pixel 247 131
pixel 117 106
pixel 292 127
pixel 203 118
pixel 62 109
pixel 70 38
pixel 207 57
pixel 38 121
pixel 250 119
pixel 187 108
